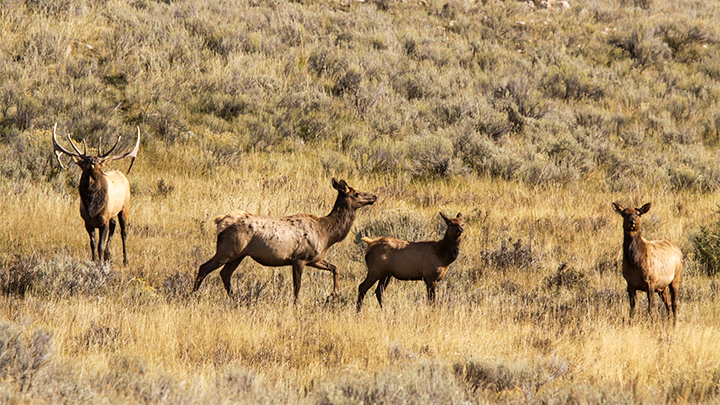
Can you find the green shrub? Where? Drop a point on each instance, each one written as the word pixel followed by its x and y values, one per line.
pixel 706 244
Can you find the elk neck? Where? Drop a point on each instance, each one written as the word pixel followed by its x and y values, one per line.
pixel 339 221
pixel 93 191
pixel 449 248
pixel 634 248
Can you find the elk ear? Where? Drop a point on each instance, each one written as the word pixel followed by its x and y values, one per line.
pixel 444 217
pixel 340 186
pixel 645 208
pixel 618 208
pixel 459 215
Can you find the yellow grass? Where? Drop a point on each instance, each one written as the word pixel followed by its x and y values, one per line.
pixel 135 340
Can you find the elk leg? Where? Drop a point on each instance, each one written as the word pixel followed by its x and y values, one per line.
pixel 102 240
pixel 297 268
pixel 111 232
pixel 364 287
pixel 651 302
pixel 123 234
pixel 323 265
pixel 631 294
pixel 224 252
pixel 431 286
pixel 673 296
pixel 381 287
pixel 93 242
pixel 207 268
pixel 665 297
pixel 227 272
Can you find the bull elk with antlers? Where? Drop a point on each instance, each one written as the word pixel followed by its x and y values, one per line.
pixel 103 195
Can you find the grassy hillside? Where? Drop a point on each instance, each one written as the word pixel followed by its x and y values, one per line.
pixel 529 121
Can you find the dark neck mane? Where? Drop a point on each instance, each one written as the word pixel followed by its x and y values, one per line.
pixel 634 250
pixel 339 221
pixel 449 249
pixel 93 191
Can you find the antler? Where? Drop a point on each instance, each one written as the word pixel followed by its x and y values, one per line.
pixel 132 154
pixel 111 149
pixel 59 150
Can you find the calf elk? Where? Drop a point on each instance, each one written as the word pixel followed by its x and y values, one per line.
pixel 427 261
pixel 298 240
pixel 103 195
pixel 651 266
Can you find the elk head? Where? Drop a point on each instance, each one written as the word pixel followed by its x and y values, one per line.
pixel 93 163
pixel 631 216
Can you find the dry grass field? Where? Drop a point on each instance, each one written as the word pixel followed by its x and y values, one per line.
pixel 528 121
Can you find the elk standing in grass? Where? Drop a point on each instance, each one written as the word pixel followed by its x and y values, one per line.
pixel 427 261
pixel 650 266
pixel 103 195
pixel 299 240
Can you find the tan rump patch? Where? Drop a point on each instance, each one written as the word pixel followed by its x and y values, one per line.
pixel 228 219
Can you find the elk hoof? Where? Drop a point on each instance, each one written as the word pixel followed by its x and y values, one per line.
pixel 332 297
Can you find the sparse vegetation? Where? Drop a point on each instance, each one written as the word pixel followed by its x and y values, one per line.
pixel 527 117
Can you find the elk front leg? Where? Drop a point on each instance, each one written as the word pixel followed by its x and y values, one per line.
pixel 297 268
pixel 93 241
pixel 431 287
pixel 103 231
pixel 111 232
pixel 323 265
pixel 631 295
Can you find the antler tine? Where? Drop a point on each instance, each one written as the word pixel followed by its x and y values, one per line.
pixel 132 154
pixel 100 146
pixel 73 146
pixel 84 147
pixel 113 148
pixel 59 150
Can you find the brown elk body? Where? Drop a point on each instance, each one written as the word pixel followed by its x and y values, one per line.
pixel 428 261
pixel 297 240
pixel 650 266
pixel 103 195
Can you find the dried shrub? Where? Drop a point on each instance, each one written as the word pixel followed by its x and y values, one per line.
pixel 501 376
pixel 566 277
pixel 22 356
pixel 512 255
pixel 57 277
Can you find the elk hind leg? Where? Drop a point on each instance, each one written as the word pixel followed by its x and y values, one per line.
pixel 323 265
pixel 673 297
pixel 364 287
pixel 381 287
pixel 225 252
pixel 122 218
pixel 665 297
pixel 227 272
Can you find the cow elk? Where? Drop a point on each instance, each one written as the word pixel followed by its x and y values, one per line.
pixel 427 261
pixel 103 194
pixel 650 266
pixel 298 240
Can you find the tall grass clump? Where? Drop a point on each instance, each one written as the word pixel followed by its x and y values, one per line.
pixel 706 243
